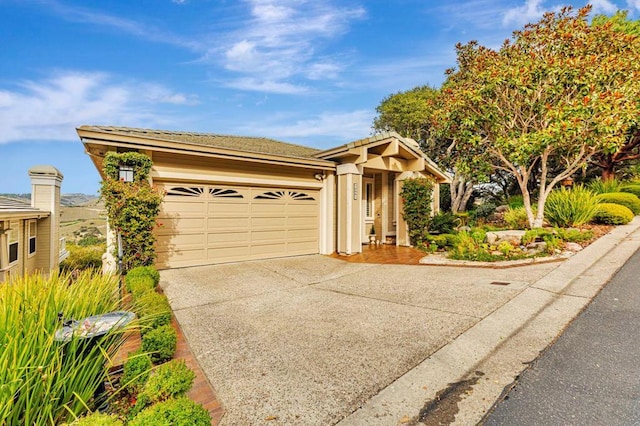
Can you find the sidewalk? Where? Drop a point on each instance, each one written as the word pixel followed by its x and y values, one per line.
pixel 460 382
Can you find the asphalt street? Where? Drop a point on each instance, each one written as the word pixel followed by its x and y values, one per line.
pixel 591 375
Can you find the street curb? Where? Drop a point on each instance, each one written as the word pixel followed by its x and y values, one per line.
pixel 514 334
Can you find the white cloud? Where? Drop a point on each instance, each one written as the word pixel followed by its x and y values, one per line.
pixel 281 41
pixel 529 12
pixel 344 126
pixel 603 6
pixel 633 4
pixel 267 86
pixel 52 108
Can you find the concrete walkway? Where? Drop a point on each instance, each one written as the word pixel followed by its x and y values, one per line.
pixel 314 340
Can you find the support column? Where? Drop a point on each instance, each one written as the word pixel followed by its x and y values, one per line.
pixel 384 229
pixel 327 215
pixel 349 217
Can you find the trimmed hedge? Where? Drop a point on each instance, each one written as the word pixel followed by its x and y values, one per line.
pixel 154 310
pixel 623 198
pixel 138 286
pixel 144 271
pixel 174 412
pixel 613 214
pixel 136 371
pixel 632 188
pixel 160 343
pixel 97 419
pixel 170 380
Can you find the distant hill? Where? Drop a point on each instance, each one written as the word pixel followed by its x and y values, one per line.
pixel 67 200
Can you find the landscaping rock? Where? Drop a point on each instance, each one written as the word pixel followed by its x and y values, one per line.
pixel 573 247
pixel 513 237
pixel 502 209
pixel 536 248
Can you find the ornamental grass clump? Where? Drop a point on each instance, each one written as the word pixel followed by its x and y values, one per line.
pixel 623 198
pixel 632 188
pixel 43 381
pixel 570 207
pixel 516 218
pixel 599 186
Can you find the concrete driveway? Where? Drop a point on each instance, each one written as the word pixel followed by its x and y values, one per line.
pixel 308 340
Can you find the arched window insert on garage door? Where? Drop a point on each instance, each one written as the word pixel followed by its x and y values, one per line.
pixel 276 195
pixel 186 191
pixel 224 193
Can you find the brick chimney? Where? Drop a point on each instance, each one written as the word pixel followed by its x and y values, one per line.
pixel 45 195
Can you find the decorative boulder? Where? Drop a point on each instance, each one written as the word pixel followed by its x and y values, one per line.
pixel 513 237
pixel 574 247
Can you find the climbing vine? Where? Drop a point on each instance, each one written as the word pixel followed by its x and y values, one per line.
pixel 132 207
pixel 417 196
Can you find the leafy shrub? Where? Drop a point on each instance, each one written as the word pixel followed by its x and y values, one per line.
pixel 173 412
pixel 574 235
pixel 600 186
pixel 633 188
pixel 169 380
pixel 91 240
pixel 136 371
pixel 485 210
pixel 160 343
pixel 570 207
pixel 444 223
pixel 613 214
pixel 516 218
pixel 515 201
pixel 97 419
pixel 537 234
pixel 153 309
pixel 139 286
pixel 623 198
pixel 37 384
pixel 89 257
pixel 144 271
pixel 479 235
pixel 417 195
pixel 505 248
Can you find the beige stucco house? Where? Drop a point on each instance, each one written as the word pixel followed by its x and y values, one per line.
pixel 30 232
pixel 231 198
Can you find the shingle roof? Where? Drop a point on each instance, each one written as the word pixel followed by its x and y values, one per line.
pixel 240 143
pixel 13 205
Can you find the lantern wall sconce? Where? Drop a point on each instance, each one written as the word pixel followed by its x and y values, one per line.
pixel 125 173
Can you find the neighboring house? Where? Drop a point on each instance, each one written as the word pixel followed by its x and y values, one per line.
pixel 232 198
pixel 30 232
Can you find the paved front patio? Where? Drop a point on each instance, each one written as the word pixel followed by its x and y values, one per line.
pixel 307 340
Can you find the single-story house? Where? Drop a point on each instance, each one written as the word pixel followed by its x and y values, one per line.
pixel 30 232
pixel 233 198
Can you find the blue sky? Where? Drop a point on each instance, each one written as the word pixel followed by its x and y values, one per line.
pixel 303 71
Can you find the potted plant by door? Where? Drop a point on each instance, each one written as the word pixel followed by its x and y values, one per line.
pixel 372 235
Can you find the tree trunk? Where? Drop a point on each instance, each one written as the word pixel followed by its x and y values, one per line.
pixel 608 171
pixel 461 191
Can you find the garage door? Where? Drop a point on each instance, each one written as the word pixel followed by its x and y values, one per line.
pixel 204 224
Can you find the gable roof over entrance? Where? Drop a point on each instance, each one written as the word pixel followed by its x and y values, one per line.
pixel 386 151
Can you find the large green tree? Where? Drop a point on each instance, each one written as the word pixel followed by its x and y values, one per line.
pixel 410 114
pixel 611 159
pixel 556 93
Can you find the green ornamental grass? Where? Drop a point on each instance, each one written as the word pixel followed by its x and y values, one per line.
pixel 599 186
pixel 42 381
pixel 570 207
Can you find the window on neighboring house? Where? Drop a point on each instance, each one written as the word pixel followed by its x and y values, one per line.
pixel 13 242
pixel 32 237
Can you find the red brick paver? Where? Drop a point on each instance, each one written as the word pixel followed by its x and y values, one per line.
pixel 385 253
